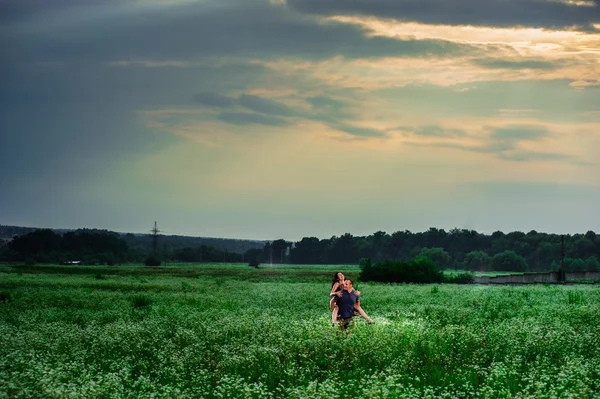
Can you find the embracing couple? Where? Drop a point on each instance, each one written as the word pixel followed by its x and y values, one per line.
pixel 345 302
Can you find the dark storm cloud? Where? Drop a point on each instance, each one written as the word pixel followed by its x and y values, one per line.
pixel 499 13
pixel 244 118
pixel 249 28
pixel 12 11
pixel 63 123
pixel 506 64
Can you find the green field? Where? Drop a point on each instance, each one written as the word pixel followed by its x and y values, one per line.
pixel 231 331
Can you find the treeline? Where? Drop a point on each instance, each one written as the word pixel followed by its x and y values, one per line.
pixel 140 245
pixel 172 246
pixel 86 246
pixel 456 249
pixel 102 247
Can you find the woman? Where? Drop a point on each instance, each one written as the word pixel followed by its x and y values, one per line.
pixel 337 285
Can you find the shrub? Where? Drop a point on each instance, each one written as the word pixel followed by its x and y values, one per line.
pixel 152 261
pixel 420 270
pixel 254 263
pixel 364 263
pixel 462 278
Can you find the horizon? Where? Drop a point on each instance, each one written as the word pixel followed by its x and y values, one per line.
pixel 297 118
pixel 298 239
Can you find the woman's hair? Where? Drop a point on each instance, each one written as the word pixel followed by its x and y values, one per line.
pixel 335 278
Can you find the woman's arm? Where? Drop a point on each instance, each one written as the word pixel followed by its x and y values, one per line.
pixel 334 289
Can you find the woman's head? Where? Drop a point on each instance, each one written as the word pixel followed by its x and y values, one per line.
pixel 338 277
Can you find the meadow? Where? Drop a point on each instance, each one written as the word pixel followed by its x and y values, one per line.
pixel 231 331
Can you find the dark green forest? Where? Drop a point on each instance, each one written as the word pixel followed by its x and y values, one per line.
pixel 455 249
pixel 460 249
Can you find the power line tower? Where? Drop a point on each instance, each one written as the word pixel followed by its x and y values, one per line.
pixel 155 232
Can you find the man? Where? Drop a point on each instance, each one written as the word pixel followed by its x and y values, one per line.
pixel 347 302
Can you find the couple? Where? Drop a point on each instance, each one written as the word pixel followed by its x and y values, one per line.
pixel 345 301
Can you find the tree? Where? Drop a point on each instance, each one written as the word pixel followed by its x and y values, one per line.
pixel 575 265
pixel 509 261
pixel 364 263
pixel 343 250
pixel 374 246
pixel 592 264
pixel 477 260
pixel 36 243
pixel 254 256
pixel 399 245
pixel 500 244
pixel 439 257
pixel 581 248
pixel 308 250
pixel 279 248
pixel 434 237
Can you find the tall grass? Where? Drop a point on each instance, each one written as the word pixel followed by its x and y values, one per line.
pixel 244 333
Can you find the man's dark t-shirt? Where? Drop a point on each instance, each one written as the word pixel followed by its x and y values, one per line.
pixel 346 304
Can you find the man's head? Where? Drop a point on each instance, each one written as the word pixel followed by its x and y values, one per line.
pixel 348 285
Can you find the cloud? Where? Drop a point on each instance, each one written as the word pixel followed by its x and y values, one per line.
pixel 527 156
pixel 265 106
pixel 358 131
pixel 244 118
pixel 508 151
pixel 507 64
pixel 249 28
pixel 504 142
pixel 499 13
pixel 515 133
pixel 552 100
pixel 517 112
pixel 269 112
pixel 581 84
pixel 433 131
pixel 214 100
pixel 71 122
pixel 320 103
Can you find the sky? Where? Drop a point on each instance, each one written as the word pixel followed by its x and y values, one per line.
pixel 267 119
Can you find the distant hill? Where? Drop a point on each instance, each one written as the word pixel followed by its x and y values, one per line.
pixel 143 242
